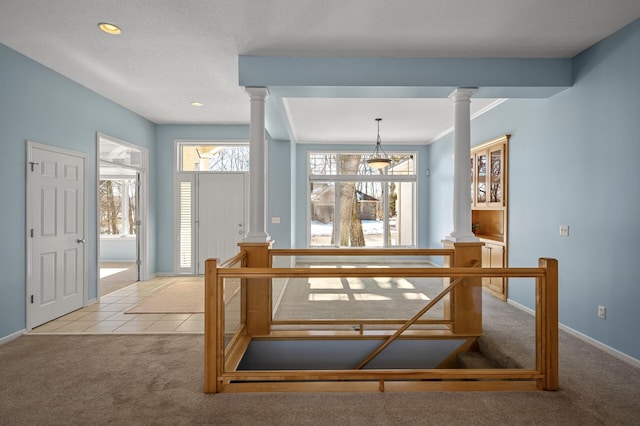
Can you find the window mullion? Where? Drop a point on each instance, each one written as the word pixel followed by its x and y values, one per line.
pixel 385 210
pixel 336 214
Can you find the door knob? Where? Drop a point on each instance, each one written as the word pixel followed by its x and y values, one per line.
pixel 80 240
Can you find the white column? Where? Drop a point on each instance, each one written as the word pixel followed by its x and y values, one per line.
pixel 461 172
pixel 257 181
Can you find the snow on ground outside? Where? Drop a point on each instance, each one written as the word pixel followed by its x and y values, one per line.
pixel 369 227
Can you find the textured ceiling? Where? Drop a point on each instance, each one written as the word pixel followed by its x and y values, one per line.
pixel 172 52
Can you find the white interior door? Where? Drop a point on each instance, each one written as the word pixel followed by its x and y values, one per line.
pixel 221 215
pixel 56 231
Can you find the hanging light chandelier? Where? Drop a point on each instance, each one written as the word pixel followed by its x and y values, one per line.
pixel 379 159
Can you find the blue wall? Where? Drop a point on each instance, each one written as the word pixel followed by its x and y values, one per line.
pixel 279 192
pixel 40 105
pixel 573 160
pixel 118 249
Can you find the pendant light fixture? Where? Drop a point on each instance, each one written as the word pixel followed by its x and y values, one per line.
pixel 379 159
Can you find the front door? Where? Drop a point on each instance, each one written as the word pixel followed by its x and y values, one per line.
pixel 221 215
pixel 55 232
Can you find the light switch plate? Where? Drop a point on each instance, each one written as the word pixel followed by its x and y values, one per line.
pixel 564 230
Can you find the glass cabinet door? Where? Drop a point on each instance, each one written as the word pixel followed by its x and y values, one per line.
pixel 496 188
pixel 481 178
pixel 473 185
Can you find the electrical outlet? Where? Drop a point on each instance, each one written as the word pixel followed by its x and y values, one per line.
pixel 602 312
pixel 564 230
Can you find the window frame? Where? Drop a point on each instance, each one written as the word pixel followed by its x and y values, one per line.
pixel 381 178
pixel 180 144
pixel 135 183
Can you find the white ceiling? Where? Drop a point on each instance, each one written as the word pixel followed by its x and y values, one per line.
pixel 335 120
pixel 172 52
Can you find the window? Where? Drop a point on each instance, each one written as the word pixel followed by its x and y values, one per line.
pixel 214 158
pixel 118 206
pixel 186 238
pixel 353 205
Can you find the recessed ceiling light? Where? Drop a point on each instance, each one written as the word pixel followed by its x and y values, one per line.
pixel 109 28
pixel 196 104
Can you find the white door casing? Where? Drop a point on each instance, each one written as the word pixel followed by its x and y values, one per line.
pixel 56 229
pixel 135 160
pixel 221 215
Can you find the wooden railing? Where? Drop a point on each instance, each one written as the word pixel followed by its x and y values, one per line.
pixel 364 255
pixel 214 315
pixel 222 360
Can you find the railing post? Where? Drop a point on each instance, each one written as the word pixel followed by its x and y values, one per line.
pixel 547 325
pixel 466 299
pixel 211 337
pixel 258 290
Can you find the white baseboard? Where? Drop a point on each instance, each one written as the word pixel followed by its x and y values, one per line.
pixel 10 337
pixel 606 348
pixel 521 307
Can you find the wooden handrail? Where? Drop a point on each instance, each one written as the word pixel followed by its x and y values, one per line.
pixel 238 258
pixel 361 252
pixel 390 374
pixel 346 321
pixel 380 272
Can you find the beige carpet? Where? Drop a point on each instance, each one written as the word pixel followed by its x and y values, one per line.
pixel 158 379
pixel 361 298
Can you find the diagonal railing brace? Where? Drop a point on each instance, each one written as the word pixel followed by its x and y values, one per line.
pixel 411 321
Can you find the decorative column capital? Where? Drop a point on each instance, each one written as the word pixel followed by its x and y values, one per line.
pixel 463 94
pixel 257 93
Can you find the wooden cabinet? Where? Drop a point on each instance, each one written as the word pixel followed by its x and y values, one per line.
pixel 488 176
pixel 489 207
pixel 493 257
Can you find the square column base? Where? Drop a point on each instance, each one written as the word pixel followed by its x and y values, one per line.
pixel 466 298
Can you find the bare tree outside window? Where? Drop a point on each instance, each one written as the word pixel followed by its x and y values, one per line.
pixel 351 234
pixel 362 206
pixel 229 158
pixel 112 193
pixel 214 157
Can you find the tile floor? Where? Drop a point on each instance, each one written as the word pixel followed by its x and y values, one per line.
pixel 116 275
pixel 107 316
